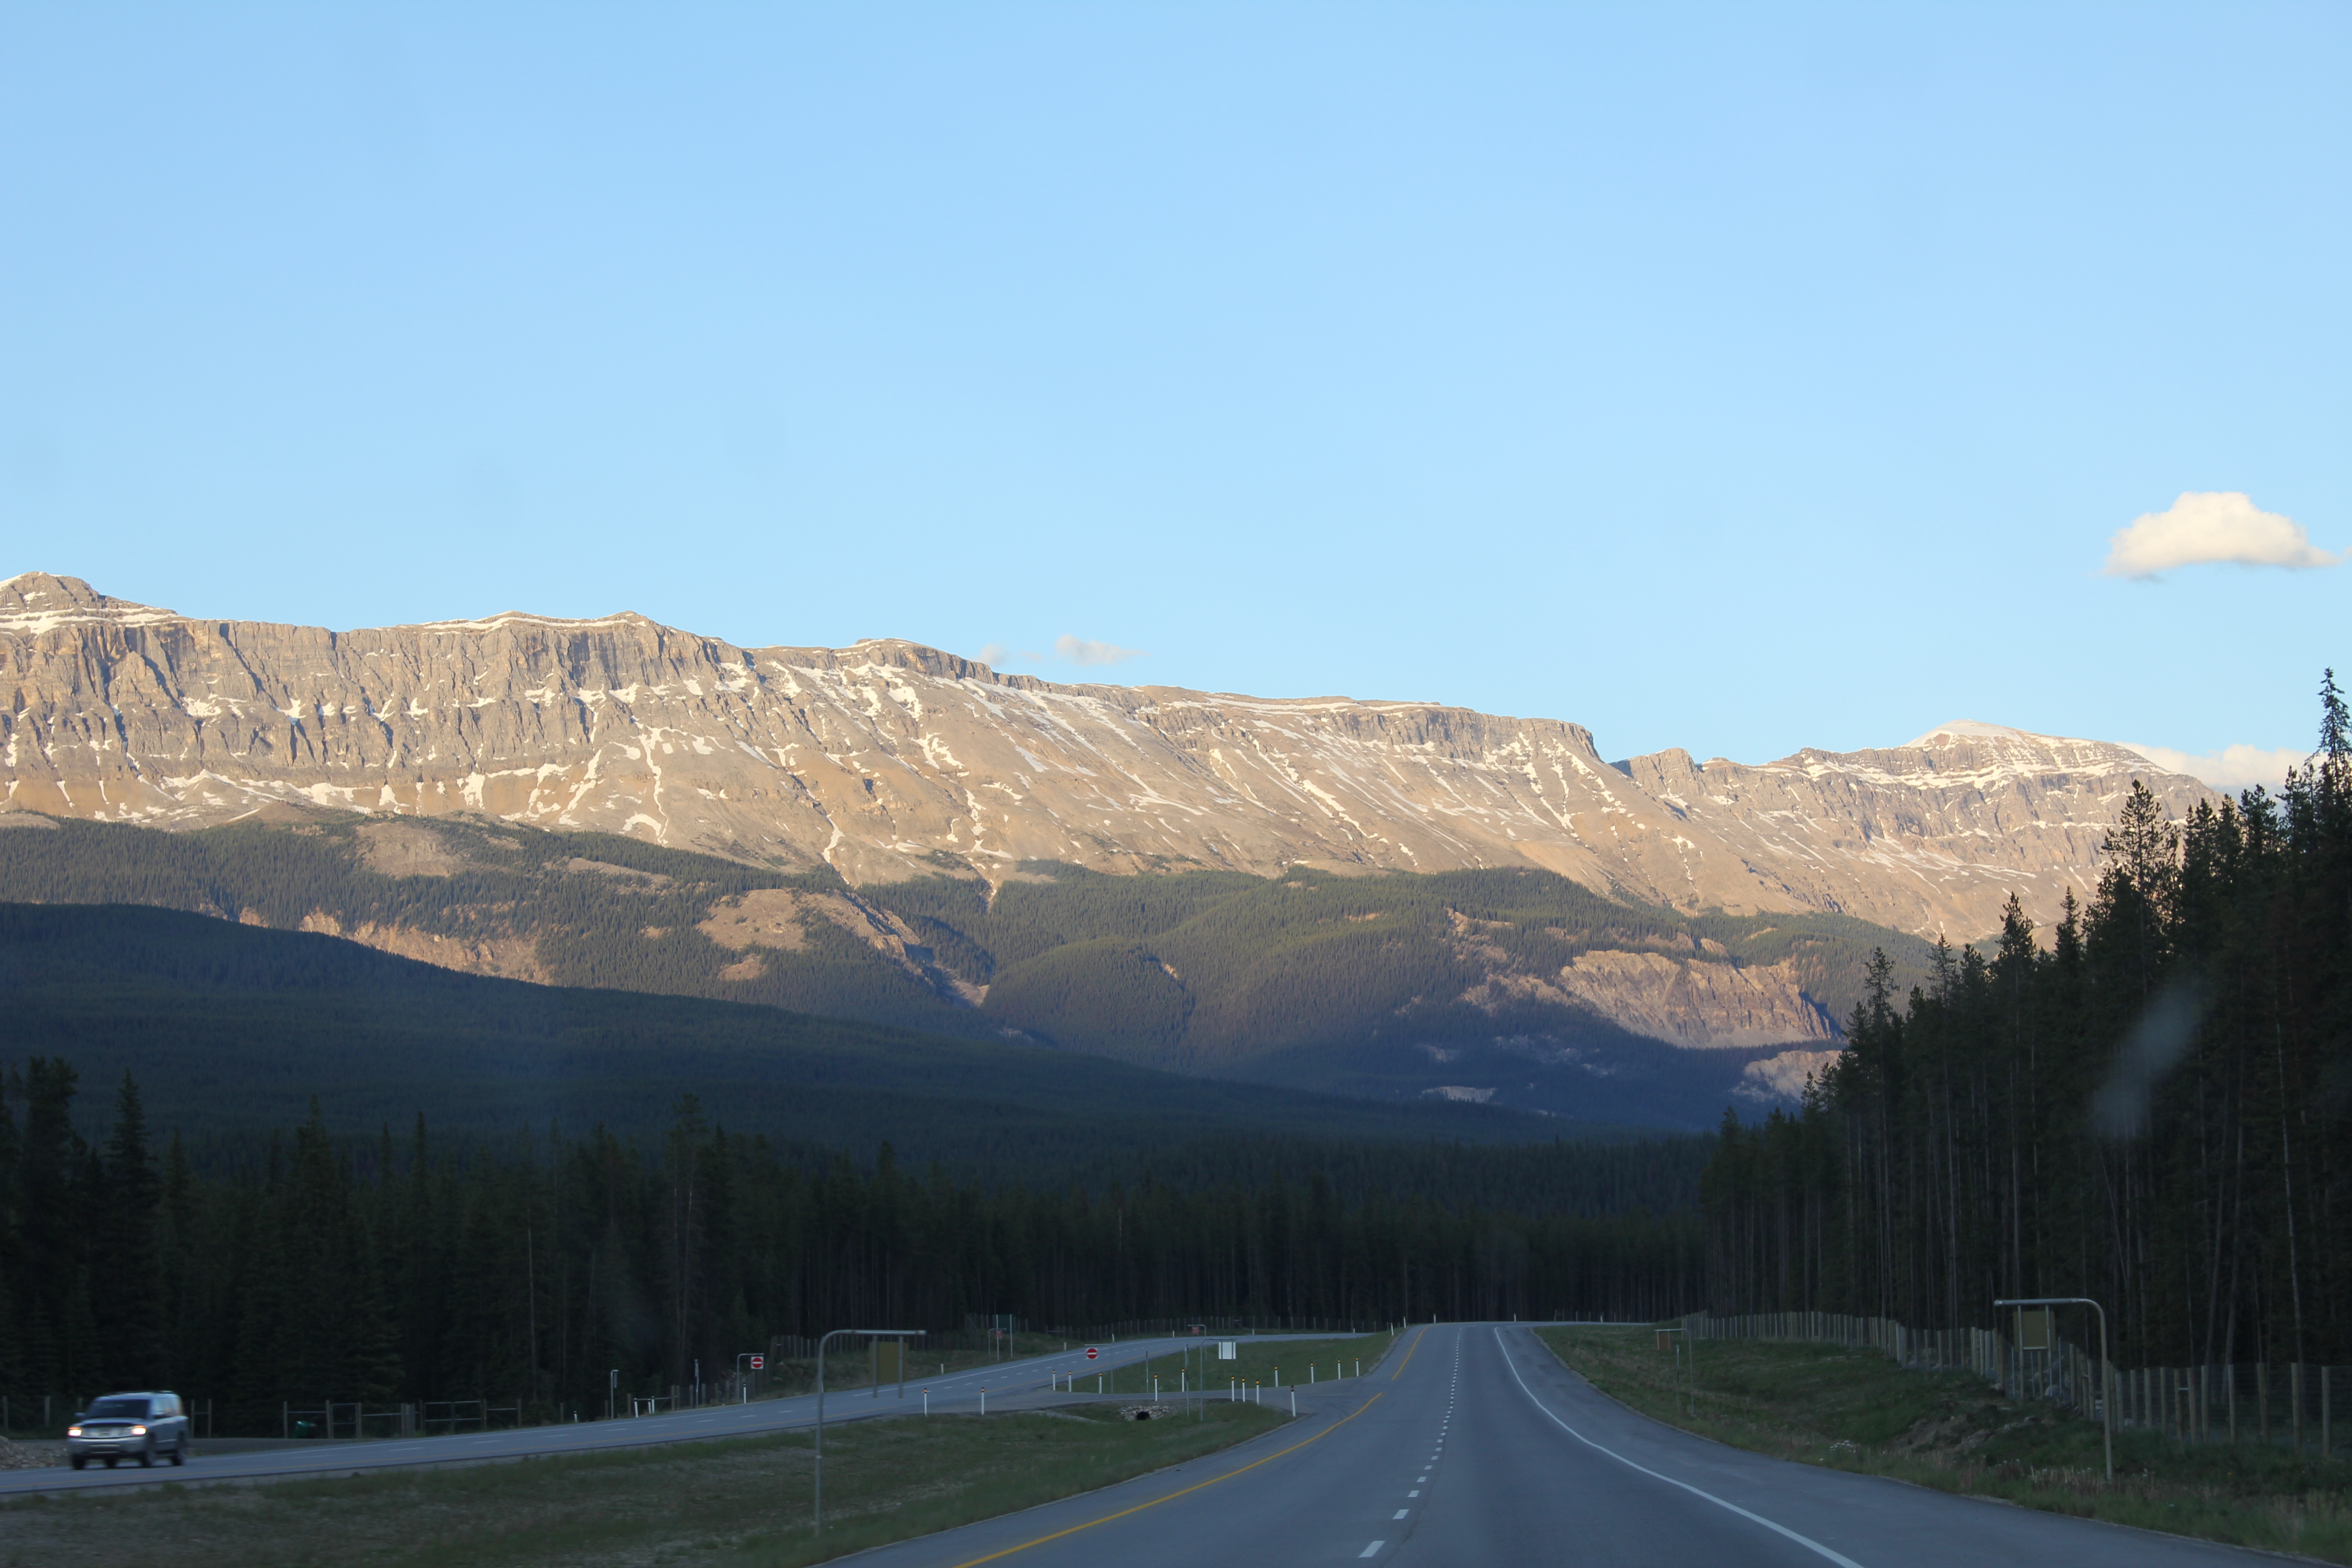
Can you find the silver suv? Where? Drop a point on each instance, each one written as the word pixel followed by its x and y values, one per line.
pixel 139 1427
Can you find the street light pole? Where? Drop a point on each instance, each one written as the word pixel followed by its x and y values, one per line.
pixel 900 1334
pixel 2106 1373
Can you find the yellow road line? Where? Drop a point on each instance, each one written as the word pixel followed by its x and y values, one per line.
pixel 1408 1354
pixel 1172 1497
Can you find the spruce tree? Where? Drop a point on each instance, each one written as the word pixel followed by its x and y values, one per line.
pixel 128 1306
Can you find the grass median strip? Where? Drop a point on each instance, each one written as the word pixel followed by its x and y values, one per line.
pixel 1857 1410
pixel 739 1501
pixel 1300 1363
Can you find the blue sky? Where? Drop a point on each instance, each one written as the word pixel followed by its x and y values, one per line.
pixel 1738 378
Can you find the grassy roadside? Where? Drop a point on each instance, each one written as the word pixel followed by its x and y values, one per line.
pixel 1856 1410
pixel 846 1366
pixel 1259 1361
pixel 1296 1362
pixel 742 1501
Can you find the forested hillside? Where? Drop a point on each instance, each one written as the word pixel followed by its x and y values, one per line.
pixel 378 1269
pixel 577 908
pixel 233 1030
pixel 2155 1110
pixel 1206 968
pixel 1558 995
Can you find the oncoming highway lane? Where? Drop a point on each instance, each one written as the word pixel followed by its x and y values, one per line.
pixel 1008 1384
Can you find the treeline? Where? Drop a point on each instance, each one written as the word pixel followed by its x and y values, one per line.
pixel 391 1271
pixel 2154 1110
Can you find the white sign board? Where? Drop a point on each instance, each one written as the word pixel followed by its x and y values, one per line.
pixel 1228 1350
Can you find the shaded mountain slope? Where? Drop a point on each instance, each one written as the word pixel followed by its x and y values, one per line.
pixel 231 1030
pixel 1204 971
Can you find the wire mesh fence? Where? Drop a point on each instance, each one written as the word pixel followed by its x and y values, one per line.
pixel 2288 1402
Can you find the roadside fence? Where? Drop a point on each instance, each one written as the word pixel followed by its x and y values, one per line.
pixel 2287 1403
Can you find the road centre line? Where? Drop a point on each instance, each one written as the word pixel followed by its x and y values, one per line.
pixel 1373 1549
pixel 1172 1497
pixel 1408 1354
pixel 1806 1542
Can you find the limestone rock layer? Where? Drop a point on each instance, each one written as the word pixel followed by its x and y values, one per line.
pixel 889 759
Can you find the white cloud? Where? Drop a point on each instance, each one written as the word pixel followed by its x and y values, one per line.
pixel 2233 768
pixel 1082 650
pixel 2211 525
pixel 996 653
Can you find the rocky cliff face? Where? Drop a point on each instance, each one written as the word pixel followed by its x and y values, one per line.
pixel 889 759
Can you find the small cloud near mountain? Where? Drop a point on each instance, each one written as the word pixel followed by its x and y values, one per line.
pixel 1069 649
pixel 2233 768
pixel 2209 526
pixel 1084 650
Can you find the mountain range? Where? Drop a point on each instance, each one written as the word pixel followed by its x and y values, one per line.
pixel 880 831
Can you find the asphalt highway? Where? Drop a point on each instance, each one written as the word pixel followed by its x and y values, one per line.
pixel 1473 1447
pixel 1008 1386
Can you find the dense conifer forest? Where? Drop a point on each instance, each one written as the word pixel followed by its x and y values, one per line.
pixel 386 1271
pixel 2152 1107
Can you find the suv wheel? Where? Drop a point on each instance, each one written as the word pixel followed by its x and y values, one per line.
pixel 79 1460
pixel 147 1457
pixel 111 1459
pixel 180 1454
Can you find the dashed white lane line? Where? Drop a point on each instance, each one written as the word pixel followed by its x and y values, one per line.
pixel 1402 1511
pixel 1415 1492
pixel 1810 1544
pixel 1373 1549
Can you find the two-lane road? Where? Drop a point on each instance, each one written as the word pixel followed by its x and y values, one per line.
pixel 1007 1384
pixel 1474 1448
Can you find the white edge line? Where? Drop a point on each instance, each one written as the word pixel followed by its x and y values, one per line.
pixel 1806 1542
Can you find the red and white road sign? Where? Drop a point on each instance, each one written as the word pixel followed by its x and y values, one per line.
pixel 1091 1353
pixel 759 1363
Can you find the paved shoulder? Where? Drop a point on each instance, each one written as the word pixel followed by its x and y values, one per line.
pixel 1827 1516
pixel 1318 1490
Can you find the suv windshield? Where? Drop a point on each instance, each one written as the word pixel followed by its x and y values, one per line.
pixel 130 1407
